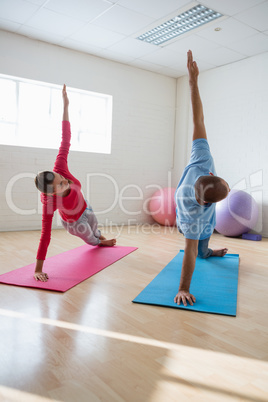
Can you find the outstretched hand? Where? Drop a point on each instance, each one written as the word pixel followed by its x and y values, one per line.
pixel 192 67
pixel 65 97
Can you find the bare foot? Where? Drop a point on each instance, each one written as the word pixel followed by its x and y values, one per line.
pixel 109 243
pixel 220 253
pixel 102 237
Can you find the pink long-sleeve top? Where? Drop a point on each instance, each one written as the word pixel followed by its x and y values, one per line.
pixel 70 207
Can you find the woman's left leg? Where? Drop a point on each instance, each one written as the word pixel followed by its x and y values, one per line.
pixel 93 222
pixel 86 228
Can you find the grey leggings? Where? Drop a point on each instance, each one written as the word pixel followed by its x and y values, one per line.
pixel 86 227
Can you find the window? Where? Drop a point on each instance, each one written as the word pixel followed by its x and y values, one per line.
pixel 31 113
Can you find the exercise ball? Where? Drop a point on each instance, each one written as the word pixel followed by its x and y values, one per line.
pixel 162 206
pixel 236 214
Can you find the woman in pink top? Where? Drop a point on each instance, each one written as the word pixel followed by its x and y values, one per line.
pixel 61 190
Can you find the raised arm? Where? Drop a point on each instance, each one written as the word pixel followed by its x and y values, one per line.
pixel 198 115
pixel 61 163
pixel 65 104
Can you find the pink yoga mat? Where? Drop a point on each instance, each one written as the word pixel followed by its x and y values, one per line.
pixel 69 268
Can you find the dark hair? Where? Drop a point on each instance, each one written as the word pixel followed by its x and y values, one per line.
pixel 44 182
pixel 210 188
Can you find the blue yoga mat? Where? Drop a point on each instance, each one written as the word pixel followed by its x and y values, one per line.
pixel 214 285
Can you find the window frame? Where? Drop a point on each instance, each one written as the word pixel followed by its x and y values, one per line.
pixel 95 143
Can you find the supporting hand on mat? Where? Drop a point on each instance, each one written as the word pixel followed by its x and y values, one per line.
pixel 184 296
pixel 41 276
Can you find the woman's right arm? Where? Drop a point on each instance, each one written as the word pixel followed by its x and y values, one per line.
pixel 38 274
pixel 47 217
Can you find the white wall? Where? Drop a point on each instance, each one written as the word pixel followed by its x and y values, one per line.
pixel 142 138
pixel 235 100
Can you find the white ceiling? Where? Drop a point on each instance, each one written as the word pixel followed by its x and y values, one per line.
pixel 108 29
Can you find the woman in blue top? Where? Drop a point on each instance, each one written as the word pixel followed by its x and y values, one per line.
pixel 197 192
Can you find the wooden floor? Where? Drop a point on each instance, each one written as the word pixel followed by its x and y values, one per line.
pixel 93 344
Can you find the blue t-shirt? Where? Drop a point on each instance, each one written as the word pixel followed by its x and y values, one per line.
pixel 196 221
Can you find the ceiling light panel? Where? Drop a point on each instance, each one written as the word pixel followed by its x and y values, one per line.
pixel 180 24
